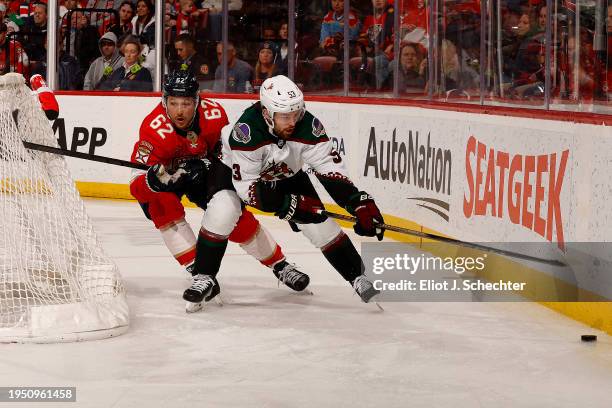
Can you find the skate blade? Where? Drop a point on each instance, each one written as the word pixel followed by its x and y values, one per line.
pixel 191 307
pixel 379 306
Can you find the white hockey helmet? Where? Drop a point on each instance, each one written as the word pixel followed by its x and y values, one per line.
pixel 282 95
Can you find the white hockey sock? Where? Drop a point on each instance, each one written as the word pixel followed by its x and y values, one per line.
pixel 263 247
pixel 180 241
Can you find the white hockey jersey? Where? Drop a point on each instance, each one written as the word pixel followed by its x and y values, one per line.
pixel 256 155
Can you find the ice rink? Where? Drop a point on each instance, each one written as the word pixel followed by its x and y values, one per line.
pixel 270 347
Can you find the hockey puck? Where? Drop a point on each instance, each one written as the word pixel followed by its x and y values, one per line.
pixel 588 337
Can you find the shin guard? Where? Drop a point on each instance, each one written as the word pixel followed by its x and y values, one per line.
pixel 343 256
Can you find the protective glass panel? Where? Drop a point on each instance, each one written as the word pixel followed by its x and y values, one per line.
pixel 457 57
pixel 191 32
pixel 582 33
pixel 413 70
pixel 515 53
pixel 320 45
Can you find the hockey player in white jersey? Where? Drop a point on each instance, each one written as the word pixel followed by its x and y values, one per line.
pixel 269 145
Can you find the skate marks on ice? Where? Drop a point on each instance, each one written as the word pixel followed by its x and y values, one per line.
pixel 267 342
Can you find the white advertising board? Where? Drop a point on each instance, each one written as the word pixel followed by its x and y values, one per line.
pixel 475 177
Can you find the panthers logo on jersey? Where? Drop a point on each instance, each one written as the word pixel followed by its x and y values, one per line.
pixel 144 151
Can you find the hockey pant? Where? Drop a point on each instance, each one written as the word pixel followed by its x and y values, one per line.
pixel 327 236
pixel 224 218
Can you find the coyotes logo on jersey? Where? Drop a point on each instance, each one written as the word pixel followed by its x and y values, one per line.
pixel 276 171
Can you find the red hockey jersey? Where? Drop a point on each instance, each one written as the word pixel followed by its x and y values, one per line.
pixel 161 142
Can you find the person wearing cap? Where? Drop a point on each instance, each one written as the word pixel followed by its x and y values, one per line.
pixel 131 76
pixel 18 59
pixel 265 66
pixel 103 66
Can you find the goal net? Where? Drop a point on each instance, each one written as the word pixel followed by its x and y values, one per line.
pixel 56 282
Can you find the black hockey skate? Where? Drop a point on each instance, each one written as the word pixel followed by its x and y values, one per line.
pixel 203 289
pixel 290 276
pixel 364 288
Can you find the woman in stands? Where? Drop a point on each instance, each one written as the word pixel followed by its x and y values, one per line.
pixel 143 24
pixel 131 76
pixel 265 66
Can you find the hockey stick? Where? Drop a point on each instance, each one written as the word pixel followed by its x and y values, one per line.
pixel 451 241
pixel 86 156
pixel 420 234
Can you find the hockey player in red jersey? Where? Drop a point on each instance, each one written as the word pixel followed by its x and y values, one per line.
pixel 267 150
pixel 179 140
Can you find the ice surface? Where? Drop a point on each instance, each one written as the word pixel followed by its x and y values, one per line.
pixel 270 347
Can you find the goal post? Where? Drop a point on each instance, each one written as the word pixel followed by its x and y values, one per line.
pixel 56 282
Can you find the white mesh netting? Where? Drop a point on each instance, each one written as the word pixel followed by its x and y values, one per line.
pixel 56 282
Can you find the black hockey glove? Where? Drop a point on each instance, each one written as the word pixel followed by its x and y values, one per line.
pixel 301 210
pixel 193 171
pixel 362 206
pixel 160 180
pixel 189 173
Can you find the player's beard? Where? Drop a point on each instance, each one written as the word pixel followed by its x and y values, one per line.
pixel 286 132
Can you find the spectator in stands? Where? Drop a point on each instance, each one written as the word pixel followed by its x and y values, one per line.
pixel 190 19
pixel 411 69
pixel 124 26
pixel 456 76
pixel 282 48
pixel 11 25
pixel 542 18
pixel 68 69
pixel 17 58
pixel 170 16
pixel 239 73
pixel 265 66
pixel 190 60
pixel 131 76
pixel 332 29
pixel 37 25
pixel 526 62
pixel 268 33
pixel 147 54
pixel 586 71
pixel 414 16
pixel 102 19
pixel 66 7
pixel 414 22
pixel 143 23
pixel 106 64
pixel 377 37
pixel 86 39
